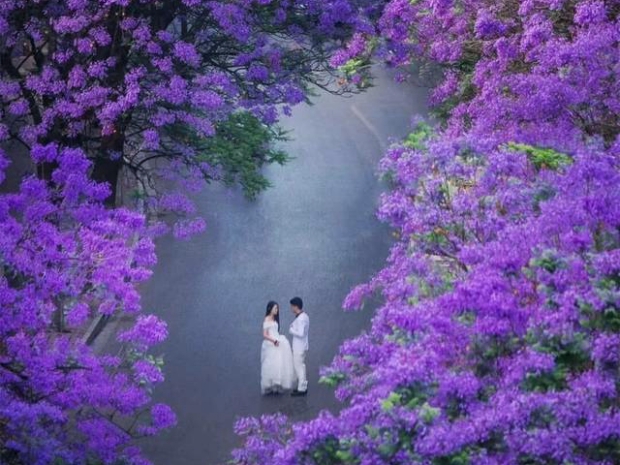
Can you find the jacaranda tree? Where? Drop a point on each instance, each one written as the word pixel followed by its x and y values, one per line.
pixel 65 256
pixel 521 68
pixel 498 341
pixel 184 91
pixel 130 82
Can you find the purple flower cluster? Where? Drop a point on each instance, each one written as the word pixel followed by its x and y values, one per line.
pixel 64 258
pixel 111 78
pixel 498 338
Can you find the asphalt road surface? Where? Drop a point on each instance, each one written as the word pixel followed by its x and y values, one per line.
pixel 314 234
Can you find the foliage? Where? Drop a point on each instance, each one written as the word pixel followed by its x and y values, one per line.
pixel 65 257
pixel 510 364
pixel 240 145
pixel 547 64
pixel 127 81
pixel 542 158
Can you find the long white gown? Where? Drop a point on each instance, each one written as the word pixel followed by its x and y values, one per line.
pixel 277 371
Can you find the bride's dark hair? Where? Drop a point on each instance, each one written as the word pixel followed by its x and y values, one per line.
pixel 270 305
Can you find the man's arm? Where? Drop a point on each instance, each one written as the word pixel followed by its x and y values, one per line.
pixel 294 330
pixel 305 326
pixel 298 331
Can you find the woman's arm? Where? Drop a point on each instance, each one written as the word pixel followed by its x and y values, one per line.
pixel 266 336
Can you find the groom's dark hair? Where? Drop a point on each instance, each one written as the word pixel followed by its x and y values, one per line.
pixel 297 302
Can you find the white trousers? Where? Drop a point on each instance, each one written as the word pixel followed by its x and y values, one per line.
pixel 299 363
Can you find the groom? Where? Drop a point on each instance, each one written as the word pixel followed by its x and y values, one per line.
pixel 299 331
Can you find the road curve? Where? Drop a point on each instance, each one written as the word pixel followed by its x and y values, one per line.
pixel 314 234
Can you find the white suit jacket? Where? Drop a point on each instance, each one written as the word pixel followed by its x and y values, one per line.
pixel 299 330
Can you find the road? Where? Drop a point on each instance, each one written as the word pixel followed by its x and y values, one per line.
pixel 314 234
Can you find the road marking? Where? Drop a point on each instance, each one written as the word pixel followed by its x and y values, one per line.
pixel 373 130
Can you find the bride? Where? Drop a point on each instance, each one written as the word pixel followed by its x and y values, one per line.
pixel 277 371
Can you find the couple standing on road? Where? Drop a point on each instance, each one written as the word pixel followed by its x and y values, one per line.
pixel 281 366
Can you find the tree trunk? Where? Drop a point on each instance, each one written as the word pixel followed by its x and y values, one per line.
pixel 107 170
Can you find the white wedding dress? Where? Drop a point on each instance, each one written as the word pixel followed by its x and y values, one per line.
pixel 277 371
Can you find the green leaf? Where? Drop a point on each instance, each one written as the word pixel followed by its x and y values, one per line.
pixel 458 458
pixel 241 146
pixel 333 379
pixel 428 413
pixel 344 456
pixel 467 318
pixel 387 449
pixel 541 158
pixel 418 138
pixel 392 400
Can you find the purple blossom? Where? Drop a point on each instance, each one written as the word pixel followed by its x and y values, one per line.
pixel 186 229
pixel 606 350
pixel 186 53
pixel 590 13
pixel 147 372
pixel 151 139
pixel 147 331
pixel 487 26
pixel 257 72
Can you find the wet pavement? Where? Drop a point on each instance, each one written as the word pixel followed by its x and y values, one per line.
pixel 314 234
